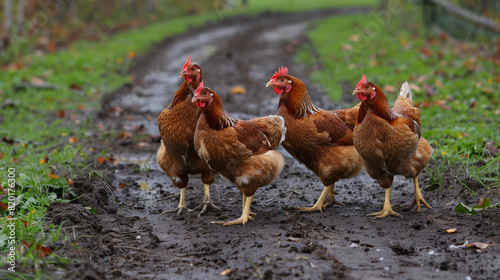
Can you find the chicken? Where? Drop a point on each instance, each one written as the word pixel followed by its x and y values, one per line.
pixel 177 156
pixel 390 141
pixel 319 139
pixel 241 151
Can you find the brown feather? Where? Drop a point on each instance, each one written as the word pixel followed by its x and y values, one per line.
pixel 319 139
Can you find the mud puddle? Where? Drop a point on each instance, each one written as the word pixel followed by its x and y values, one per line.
pixel 135 242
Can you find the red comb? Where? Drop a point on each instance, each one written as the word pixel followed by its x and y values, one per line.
pixel 186 65
pixel 281 71
pixel 361 81
pixel 198 90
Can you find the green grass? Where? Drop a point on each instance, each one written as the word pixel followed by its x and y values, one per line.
pixel 459 112
pixel 32 131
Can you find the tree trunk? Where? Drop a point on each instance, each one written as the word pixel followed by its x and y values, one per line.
pixel 8 16
pixel 20 16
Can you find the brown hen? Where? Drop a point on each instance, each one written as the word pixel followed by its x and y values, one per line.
pixel 319 139
pixel 390 141
pixel 177 156
pixel 241 151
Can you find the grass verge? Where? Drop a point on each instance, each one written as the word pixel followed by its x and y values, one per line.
pixel 454 83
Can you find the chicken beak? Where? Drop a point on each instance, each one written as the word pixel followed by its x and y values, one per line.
pixel 270 83
pixel 182 74
pixel 355 92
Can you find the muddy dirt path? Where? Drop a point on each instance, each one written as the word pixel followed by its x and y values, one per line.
pixel 135 242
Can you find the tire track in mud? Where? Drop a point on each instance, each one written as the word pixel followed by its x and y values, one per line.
pixel 135 241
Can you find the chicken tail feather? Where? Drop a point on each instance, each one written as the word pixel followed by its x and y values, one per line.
pixel 405 91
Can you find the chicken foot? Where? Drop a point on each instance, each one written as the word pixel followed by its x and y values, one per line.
pixel 319 205
pixel 207 202
pixel 245 216
pixel 182 204
pixel 418 197
pixel 387 210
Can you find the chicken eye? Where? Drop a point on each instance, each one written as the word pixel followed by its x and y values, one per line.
pixel 367 87
pixel 205 93
pixel 282 80
pixel 192 69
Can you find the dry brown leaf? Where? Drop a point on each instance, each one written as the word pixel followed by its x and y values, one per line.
pixel 143 144
pixel 72 140
pixel 61 113
pixel 37 81
pixel 388 88
pixel 70 182
pixel 124 135
pixel 226 271
pixel 354 37
pixel 414 87
pixel 479 245
pixel 121 186
pixel 3 206
pixel 451 230
pixel 52 176
pixel 237 90
pixel 100 160
pixel 421 78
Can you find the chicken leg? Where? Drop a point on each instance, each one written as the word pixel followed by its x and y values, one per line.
pixel 247 200
pixel 207 202
pixel 418 197
pixel 387 210
pixel 182 204
pixel 330 199
pixel 319 205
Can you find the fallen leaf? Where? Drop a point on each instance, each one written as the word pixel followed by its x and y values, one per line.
pixel 414 87
pixel 3 206
pixel 52 175
pixel 143 144
pixel 237 90
pixel 37 81
pixel 25 223
pixel 75 87
pixel 100 160
pixel 451 230
pixel 226 271
pixel 389 88
pixel 72 140
pixel 121 186
pixel 124 135
pixel 44 251
pixel 70 182
pixel 479 245
pixel 354 37
pixel 421 78
pixel 1 155
pixel 61 113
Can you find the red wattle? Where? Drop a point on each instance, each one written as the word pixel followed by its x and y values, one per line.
pixel 189 79
pixel 361 97
pixel 277 90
